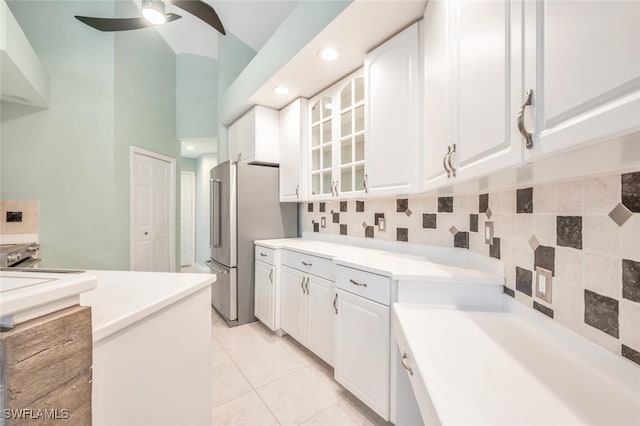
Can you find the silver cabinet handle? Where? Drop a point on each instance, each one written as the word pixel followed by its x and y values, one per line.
pixel 239 156
pixel 337 193
pixel 444 162
pixel 404 364
pixel 271 276
pixel 523 131
pixel 357 283
pixel 335 308
pixel 366 184
pixel 262 254
pixel 297 191
pixel 302 284
pixel 453 169
pixel 333 188
pixel 307 285
pixel 306 264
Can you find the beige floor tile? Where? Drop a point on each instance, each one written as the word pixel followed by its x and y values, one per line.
pixel 228 383
pixel 219 355
pixel 299 396
pixel 341 413
pixel 245 339
pixel 269 364
pixel 247 410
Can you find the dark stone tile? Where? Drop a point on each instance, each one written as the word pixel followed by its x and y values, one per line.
pixel 631 354
pixel 316 227
pixel 343 206
pixel 631 191
pixel 310 207
pixel 483 203
pixel 343 229
pixel 541 308
pixel 524 280
pixel 376 217
pixel 445 204
pixel 494 248
pixel 473 222
pixel 631 280
pixel 14 217
pixel 429 220
pixel 508 291
pixel 336 218
pixel 402 234
pixel 569 231
pixel 601 312
pixel 524 200
pixel 545 257
pixel 402 204
pixel 368 232
pixel 323 207
pixel 359 206
pixel 461 239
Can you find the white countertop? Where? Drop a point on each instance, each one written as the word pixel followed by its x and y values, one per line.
pixel 27 295
pixel 399 266
pixel 492 368
pixel 123 297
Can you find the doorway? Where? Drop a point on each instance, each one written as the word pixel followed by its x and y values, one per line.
pixel 152 223
pixel 187 218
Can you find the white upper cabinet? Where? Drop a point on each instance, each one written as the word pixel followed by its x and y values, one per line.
pixel 392 118
pixel 293 142
pixel 337 140
pixel 254 137
pixel 473 68
pixel 583 64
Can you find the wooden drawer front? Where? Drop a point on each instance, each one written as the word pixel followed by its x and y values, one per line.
pixel 266 255
pixel 370 286
pixel 318 266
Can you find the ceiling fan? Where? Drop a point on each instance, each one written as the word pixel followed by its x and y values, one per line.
pixel 153 12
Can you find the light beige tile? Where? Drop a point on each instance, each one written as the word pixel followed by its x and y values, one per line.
pixel 629 246
pixel 569 198
pixel 507 226
pixel 569 264
pixel 3 206
pixel 228 383
pixel 524 226
pixel 600 235
pixel 298 396
pixel 544 198
pixel 14 228
pixel 246 410
pixel 544 228
pixel 270 364
pixel 568 303
pixel 30 228
pixel 600 338
pixel 507 201
pixel 14 205
pixel 524 299
pixel 30 206
pixel 246 339
pixel 602 274
pixel 630 323
pixel 601 194
pixel 218 353
pixel 461 204
pixel 341 413
pixel 476 243
pixel 524 255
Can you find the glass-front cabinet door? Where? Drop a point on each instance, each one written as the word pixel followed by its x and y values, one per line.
pixel 337 134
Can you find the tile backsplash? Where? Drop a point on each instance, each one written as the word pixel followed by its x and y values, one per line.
pixel 584 232
pixel 18 217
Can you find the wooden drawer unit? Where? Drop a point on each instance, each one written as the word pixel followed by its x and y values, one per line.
pixel 318 266
pixel 365 284
pixel 265 254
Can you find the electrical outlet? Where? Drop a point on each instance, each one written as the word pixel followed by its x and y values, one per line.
pixel 543 284
pixel 323 222
pixel 488 233
pixel 382 224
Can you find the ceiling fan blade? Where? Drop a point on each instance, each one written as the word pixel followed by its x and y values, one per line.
pixel 121 24
pixel 201 10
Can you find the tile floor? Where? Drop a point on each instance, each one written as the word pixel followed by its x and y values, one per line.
pixel 260 378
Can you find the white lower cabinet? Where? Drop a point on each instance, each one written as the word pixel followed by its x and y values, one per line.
pixel 306 311
pixel 362 350
pixel 265 290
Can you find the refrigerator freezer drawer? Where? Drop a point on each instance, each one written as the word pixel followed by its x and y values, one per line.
pixel 224 296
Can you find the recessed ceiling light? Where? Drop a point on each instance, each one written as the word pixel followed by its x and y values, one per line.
pixel 190 147
pixel 281 90
pixel 328 54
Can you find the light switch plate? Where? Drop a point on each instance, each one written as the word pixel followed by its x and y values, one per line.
pixel 382 224
pixel 488 233
pixel 323 222
pixel 543 284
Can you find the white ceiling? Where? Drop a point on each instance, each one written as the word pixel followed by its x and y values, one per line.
pixel 252 21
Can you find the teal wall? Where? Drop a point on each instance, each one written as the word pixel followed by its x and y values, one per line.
pixel 196 97
pixel 188 164
pixel 106 93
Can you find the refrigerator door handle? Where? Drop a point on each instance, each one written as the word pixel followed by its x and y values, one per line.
pixel 215 268
pixel 214 217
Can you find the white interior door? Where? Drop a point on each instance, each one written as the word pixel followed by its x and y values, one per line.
pixel 152 206
pixel 187 217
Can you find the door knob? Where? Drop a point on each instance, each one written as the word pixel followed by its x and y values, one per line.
pixel 146 233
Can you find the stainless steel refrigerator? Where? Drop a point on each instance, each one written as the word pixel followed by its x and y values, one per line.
pixel 244 207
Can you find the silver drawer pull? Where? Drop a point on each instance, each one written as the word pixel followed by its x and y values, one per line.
pixel 528 137
pixel 302 285
pixel 271 276
pixel 357 283
pixel 335 299
pixel 305 263
pixel 404 364
pixel 263 255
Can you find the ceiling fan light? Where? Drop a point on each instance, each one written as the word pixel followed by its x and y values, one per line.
pixel 153 11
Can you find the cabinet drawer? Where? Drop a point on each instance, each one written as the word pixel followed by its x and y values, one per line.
pixel 314 265
pixel 370 286
pixel 265 254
